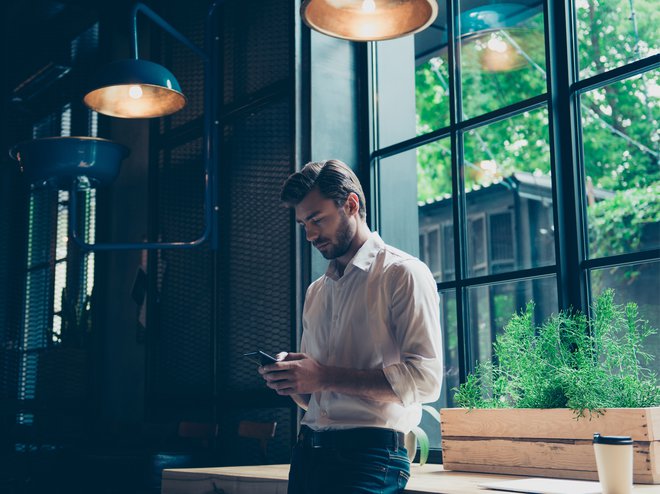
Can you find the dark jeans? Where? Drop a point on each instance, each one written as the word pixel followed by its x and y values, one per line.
pixel 349 467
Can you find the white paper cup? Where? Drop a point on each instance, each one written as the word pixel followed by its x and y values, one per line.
pixel 614 459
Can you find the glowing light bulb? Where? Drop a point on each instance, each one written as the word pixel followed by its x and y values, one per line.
pixel 368 6
pixel 135 92
pixel 498 45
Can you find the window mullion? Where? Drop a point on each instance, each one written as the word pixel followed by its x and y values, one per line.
pixel 458 208
pixel 564 130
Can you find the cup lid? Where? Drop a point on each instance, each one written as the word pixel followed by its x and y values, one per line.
pixel 612 439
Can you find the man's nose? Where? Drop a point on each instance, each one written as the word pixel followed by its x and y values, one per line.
pixel 312 233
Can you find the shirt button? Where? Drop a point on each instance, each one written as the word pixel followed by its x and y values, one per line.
pixel 324 413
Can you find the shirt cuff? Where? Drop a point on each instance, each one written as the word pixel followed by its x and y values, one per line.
pixel 398 375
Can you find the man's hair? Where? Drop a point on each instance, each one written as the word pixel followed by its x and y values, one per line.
pixel 334 179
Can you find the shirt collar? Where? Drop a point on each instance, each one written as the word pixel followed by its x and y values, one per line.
pixel 363 258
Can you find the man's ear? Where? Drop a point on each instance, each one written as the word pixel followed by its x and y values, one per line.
pixel 352 204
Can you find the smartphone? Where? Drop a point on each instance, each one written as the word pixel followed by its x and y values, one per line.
pixel 260 358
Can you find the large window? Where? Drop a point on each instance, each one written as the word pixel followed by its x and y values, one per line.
pixel 482 165
pixel 58 277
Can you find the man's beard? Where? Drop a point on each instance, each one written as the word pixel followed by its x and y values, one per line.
pixel 344 238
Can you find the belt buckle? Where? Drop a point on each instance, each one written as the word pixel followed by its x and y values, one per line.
pixel 310 439
pixel 315 440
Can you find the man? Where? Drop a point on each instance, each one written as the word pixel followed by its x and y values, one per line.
pixel 371 344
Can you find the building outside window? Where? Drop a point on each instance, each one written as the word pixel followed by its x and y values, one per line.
pixel 465 148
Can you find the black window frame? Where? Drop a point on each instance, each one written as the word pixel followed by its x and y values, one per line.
pixel 562 99
pixel 63 116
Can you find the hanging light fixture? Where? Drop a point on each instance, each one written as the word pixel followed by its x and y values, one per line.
pixel 131 88
pixel 493 16
pixel 57 161
pixel 368 20
pixel 501 53
pixel 135 88
pixel 497 31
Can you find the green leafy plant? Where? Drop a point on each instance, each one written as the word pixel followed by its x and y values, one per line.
pixel 422 438
pixel 570 361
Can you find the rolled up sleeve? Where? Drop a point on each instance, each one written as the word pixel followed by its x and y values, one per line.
pixel 415 317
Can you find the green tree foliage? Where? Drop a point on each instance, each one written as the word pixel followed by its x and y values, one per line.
pixel 620 133
pixel 611 34
pixel 618 225
pixel 621 140
pixel 520 51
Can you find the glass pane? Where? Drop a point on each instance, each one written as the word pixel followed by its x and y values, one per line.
pixel 490 308
pixel 38 303
pixel 28 372
pixel 509 195
pixel 397 202
pixel 448 321
pixel 66 121
pixel 39 249
pixel 412 77
pixel 432 94
pixel 436 230
pixel 612 33
pixel 432 75
pixel 450 362
pixel 621 153
pixel 93 124
pixel 56 337
pixel 502 55
pixel 638 283
pixel 62 225
pixel 90 237
pixel 60 286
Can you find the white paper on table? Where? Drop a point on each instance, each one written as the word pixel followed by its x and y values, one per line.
pixel 545 486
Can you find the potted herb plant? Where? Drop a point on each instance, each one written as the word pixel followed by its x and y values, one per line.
pixel 534 410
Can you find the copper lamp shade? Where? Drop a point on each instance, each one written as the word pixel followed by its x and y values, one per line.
pixel 368 20
pixel 500 56
pixel 135 89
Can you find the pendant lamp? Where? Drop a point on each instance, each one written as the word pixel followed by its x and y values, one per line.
pixel 368 20
pixel 135 88
pixel 57 161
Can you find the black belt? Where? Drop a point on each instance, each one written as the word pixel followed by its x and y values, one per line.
pixel 363 437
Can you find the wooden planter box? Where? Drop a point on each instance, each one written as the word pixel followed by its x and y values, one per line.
pixel 546 443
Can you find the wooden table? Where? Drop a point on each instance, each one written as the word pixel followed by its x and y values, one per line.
pixel 272 479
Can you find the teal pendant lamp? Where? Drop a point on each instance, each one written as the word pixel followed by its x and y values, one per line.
pixel 135 88
pixel 497 27
pixel 492 16
pixel 131 88
pixel 58 161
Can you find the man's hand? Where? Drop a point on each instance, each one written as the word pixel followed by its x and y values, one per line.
pixel 297 374
pixel 294 374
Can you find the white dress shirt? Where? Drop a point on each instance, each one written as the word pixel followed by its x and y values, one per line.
pixel 383 313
